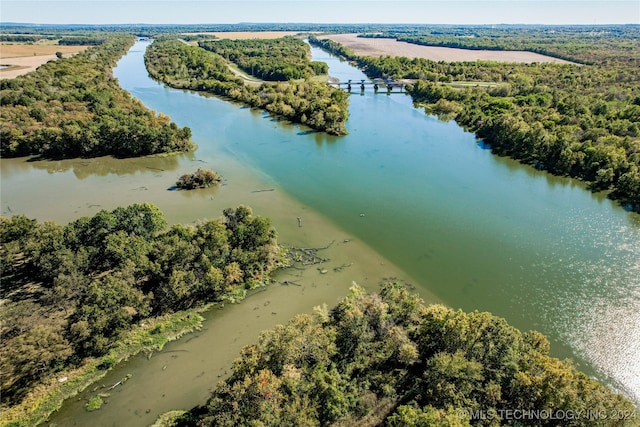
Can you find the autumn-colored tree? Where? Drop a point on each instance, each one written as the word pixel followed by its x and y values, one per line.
pixel 387 359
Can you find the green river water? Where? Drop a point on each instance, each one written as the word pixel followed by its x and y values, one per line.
pixel 404 195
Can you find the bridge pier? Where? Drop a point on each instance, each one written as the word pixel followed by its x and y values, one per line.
pixel 389 84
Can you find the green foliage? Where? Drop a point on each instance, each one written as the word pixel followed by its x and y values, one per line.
pixel 173 62
pixel 16 227
pixel 314 104
pixel 280 59
pixel 199 179
pixel 169 419
pixel 23 38
pixel 40 349
pixel 548 125
pixel 74 291
pixel 386 359
pixel 94 403
pixel 151 335
pixel 82 40
pixel 73 107
pixel 412 416
pixel 106 309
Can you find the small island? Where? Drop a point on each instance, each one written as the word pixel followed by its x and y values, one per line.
pixel 202 178
pixel 282 80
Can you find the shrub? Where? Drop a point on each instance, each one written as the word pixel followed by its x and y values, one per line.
pixel 200 179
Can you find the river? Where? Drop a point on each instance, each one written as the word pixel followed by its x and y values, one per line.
pixel 403 195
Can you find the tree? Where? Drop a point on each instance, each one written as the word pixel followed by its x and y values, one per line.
pixel 412 416
pixel 107 308
pixel 144 220
pixel 200 179
pixel 30 356
pixel 190 67
pixel 342 368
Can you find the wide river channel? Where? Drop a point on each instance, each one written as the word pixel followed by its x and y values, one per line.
pixel 403 196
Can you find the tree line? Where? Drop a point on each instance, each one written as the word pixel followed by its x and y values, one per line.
pixel 23 38
pixel 311 103
pixel 154 30
pixel 280 59
pixel 578 121
pixel 613 43
pixel 88 40
pixel 70 292
pixel 386 359
pixel 73 107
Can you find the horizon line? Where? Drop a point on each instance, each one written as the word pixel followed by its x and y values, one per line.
pixel 325 23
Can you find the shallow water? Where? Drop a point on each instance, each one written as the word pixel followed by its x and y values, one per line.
pixel 465 227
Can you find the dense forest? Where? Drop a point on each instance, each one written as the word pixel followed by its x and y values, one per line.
pixel 387 359
pixel 74 107
pixel 309 102
pixel 73 292
pixel 576 120
pixel 280 59
pixel 89 40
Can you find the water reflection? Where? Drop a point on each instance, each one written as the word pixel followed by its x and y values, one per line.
pixel 98 166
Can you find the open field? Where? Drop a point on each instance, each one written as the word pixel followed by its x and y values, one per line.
pixel 392 47
pixel 243 35
pixel 19 66
pixel 23 58
pixel 20 50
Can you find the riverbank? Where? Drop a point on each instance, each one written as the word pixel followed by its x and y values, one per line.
pixel 293 291
pixel 151 335
pixel 541 129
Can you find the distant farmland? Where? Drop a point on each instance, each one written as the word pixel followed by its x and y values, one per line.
pixel 380 47
pixel 23 58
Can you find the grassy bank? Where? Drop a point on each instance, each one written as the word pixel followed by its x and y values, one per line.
pixel 149 335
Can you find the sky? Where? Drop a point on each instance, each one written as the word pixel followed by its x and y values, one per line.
pixel 321 11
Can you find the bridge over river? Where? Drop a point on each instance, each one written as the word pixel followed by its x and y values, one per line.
pixel 389 84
